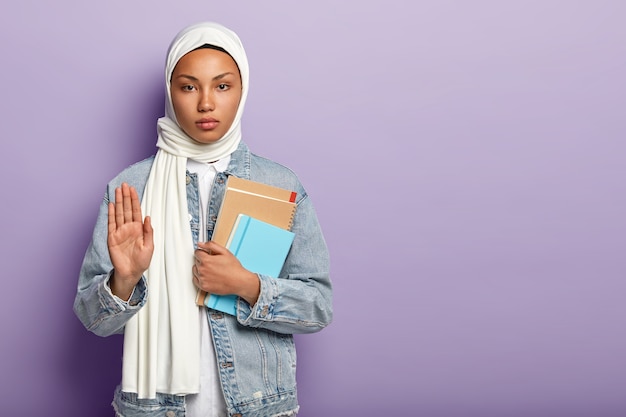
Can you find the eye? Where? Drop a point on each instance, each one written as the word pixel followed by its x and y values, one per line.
pixel 223 87
pixel 188 87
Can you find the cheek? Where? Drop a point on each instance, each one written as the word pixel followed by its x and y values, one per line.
pixel 233 105
pixel 181 108
pixel 176 103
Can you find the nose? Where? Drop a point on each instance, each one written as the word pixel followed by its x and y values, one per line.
pixel 206 102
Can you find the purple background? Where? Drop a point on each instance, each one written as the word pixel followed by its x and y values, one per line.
pixel 467 160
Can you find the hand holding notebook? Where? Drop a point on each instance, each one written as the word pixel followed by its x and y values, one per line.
pixel 260 247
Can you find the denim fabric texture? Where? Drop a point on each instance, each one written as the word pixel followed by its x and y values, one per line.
pixel 255 350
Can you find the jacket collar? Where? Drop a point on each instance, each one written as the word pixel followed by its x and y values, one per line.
pixel 239 165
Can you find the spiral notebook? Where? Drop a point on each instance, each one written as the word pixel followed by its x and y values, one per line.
pixel 260 247
pixel 264 202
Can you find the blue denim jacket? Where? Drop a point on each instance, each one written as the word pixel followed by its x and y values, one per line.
pixel 255 350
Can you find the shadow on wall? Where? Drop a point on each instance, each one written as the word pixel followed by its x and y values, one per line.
pixel 92 368
pixel 89 366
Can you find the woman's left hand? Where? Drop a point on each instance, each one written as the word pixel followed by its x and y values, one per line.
pixel 217 271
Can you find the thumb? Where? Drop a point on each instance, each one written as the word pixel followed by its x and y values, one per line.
pixel 147 224
pixel 147 229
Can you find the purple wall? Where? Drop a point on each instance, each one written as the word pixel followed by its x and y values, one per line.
pixel 467 160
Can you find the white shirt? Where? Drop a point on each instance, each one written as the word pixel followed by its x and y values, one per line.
pixel 209 402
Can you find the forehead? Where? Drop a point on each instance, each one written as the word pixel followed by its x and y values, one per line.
pixel 206 60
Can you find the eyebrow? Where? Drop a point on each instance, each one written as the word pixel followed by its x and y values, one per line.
pixel 216 78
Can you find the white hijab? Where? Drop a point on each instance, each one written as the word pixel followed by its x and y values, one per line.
pixel 162 341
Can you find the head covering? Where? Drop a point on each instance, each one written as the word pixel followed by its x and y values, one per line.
pixel 162 341
pixel 171 136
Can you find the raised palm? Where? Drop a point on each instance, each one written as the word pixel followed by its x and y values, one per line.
pixel 130 239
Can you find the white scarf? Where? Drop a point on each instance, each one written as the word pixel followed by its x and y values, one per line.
pixel 162 341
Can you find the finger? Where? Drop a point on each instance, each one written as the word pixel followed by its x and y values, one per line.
pixel 203 246
pixel 136 205
pixel 202 249
pixel 128 207
pixel 111 224
pixel 148 232
pixel 212 248
pixel 195 276
pixel 119 208
pixel 199 256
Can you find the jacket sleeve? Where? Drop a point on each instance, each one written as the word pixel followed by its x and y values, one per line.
pixel 98 309
pixel 300 300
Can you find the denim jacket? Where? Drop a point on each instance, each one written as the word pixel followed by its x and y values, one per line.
pixel 255 350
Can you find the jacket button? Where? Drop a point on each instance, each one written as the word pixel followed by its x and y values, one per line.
pixel 187 180
pixel 236 415
pixel 170 414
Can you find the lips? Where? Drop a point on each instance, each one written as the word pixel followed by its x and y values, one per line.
pixel 207 123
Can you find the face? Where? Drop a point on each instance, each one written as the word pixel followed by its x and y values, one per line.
pixel 205 91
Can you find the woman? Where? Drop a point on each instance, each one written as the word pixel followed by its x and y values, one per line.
pixel 140 275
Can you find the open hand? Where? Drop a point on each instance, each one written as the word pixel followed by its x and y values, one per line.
pixel 130 241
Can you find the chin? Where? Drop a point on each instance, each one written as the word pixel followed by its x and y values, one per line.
pixel 205 141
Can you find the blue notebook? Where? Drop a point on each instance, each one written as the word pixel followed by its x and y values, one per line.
pixel 260 247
